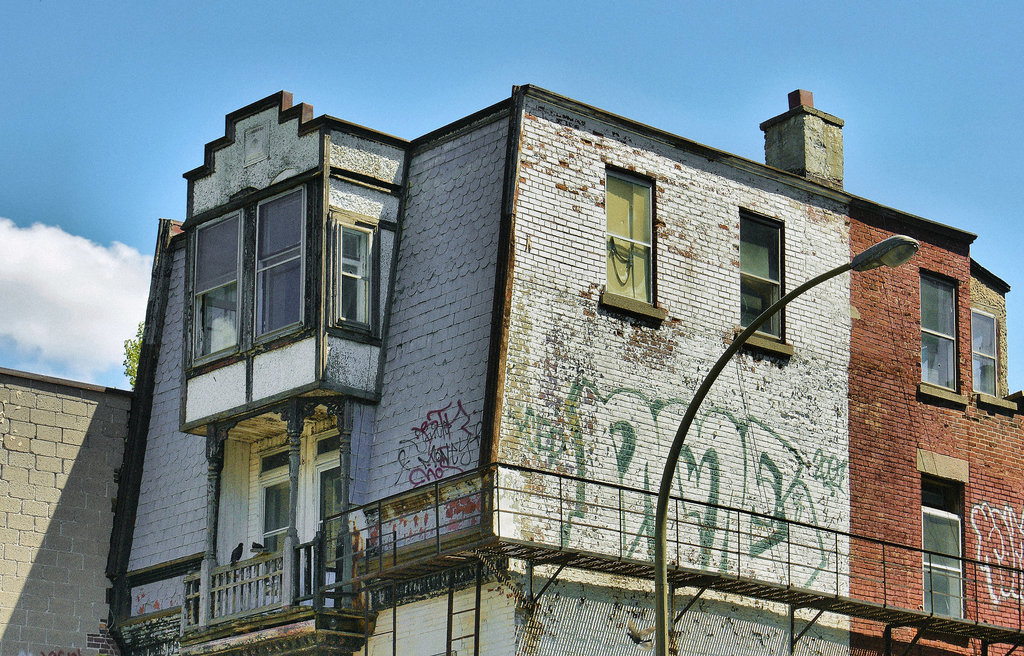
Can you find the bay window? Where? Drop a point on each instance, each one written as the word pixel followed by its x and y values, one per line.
pixel 216 286
pixel 279 263
pixel 353 245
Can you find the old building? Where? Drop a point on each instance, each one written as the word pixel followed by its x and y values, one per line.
pixel 415 397
pixel 61 444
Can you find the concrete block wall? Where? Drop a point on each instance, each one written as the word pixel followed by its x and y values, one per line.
pixel 60 448
pixel 428 422
pixel 595 394
pixel 171 516
pixel 891 422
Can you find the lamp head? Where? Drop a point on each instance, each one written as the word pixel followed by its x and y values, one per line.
pixel 891 252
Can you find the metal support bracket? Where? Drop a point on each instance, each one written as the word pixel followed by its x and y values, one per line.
pixel 687 607
pixel 794 637
pixel 535 597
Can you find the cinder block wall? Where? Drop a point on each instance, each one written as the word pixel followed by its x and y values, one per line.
pixel 61 446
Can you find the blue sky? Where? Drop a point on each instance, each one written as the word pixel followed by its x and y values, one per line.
pixel 103 106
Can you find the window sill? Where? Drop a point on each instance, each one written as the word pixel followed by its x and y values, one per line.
pixel 934 394
pixel 632 306
pixel 994 402
pixel 767 345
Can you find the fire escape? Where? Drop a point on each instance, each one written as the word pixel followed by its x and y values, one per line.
pixel 457 529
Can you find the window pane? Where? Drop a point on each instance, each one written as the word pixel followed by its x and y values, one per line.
pixel 275 514
pixel 942 535
pixel 937 306
pixel 354 291
pixel 983 334
pixel 217 254
pixel 756 296
pixel 330 492
pixel 217 312
pixel 984 375
pixel 279 296
pixel 280 227
pixel 938 356
pixel 629 269
pixel 629 209
pixel 942 592
pixel 759 249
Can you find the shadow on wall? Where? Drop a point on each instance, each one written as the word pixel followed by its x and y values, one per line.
pixel 61 446
pixel 572 618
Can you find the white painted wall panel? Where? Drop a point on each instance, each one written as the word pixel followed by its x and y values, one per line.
pixel 284 368
pixel 217 391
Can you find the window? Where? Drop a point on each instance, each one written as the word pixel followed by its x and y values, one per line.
pixel 216 286
pixel 231 308
pixel 941 544
pixel 760 271
pixel 353 275
pixel 628 203
pixel 938 332
pixel 279 263
pixel 275 491
pixel 983 352
pixel 328 473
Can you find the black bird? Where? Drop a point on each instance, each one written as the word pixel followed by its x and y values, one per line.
pixel 257 547
pixel 236 554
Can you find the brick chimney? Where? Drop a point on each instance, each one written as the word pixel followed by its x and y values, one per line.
pixel 805 141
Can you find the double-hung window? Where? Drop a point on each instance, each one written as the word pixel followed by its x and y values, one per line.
pixel 628 238
pixel 941 543
pixel 274 487
pixel 279 278
pixel 983 352
pixel 760 271
pixel 215 315
pixel 353 245
pixel 938 332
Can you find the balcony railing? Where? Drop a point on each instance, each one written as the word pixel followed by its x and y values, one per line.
pixel 551 517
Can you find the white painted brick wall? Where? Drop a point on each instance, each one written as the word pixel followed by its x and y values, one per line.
pixel 436 366
pixel 171 516
pixel 593 394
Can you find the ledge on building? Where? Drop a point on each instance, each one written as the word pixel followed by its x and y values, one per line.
pixel 995 403
pixel 929 393
pixel 632 307
pixel 767 345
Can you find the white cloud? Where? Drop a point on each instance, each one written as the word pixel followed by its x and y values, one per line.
pixel 66 303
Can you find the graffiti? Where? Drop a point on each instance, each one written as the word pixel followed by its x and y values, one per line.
pixel 728 461
pixel 442 445
pixel 999 534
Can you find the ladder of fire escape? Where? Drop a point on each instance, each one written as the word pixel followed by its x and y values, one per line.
pixel 454 614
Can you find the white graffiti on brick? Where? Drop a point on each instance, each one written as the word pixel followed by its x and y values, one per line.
pixel 999 534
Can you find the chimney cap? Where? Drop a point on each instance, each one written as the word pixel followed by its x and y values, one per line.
pixel 801 97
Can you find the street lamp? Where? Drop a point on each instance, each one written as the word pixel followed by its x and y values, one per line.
pixel 891 252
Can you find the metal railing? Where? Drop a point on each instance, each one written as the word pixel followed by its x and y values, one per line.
pixel 552 517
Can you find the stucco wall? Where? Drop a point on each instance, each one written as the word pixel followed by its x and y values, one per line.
pixel 60 448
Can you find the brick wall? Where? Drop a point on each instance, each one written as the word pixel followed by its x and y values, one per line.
pixel 596 394
pixel 60 447
pixel 435 373
pixel 890 421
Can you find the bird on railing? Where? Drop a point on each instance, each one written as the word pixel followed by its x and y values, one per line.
pixel 236 554
pixel 258 549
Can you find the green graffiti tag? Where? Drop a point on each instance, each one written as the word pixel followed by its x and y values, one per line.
pixel 563 435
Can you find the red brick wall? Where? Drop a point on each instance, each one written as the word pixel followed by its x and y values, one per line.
pixel 889 422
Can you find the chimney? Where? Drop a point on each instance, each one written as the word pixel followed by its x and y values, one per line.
pixel 805 141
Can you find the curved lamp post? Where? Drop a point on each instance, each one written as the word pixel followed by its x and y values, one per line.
pixel 891 252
